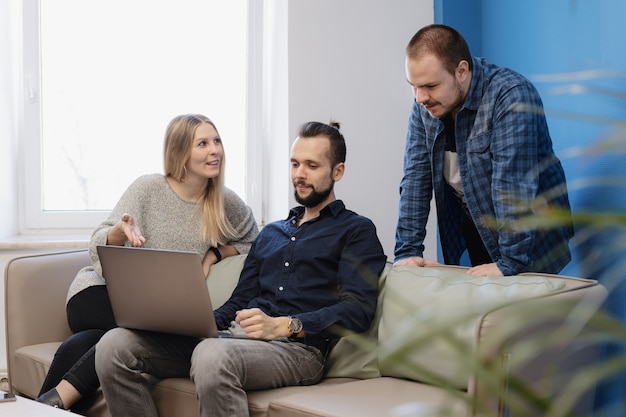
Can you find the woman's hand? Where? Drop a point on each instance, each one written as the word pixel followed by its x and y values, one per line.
pixel 125 229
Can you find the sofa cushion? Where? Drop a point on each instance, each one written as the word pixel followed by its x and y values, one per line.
pixel 431 318
pixel 223 278
pixel 355 356
pixel 259 401
pixel 33 362
pixel 177 396
pixel 373 397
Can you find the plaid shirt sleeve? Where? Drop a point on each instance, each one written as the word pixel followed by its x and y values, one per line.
pixel 510 166
pixel 415 190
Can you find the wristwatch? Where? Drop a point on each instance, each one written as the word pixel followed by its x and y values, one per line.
pixel 295 326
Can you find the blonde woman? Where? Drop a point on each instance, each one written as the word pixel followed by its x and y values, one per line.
pixel 188 209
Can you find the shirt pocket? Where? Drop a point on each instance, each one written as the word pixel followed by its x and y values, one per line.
pixel 479 156
pixel 479 143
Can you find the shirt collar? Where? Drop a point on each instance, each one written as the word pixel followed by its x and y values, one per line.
pixel 333 209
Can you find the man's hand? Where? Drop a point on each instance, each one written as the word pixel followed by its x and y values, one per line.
pixel 259 325
pixel 486 270
pixel 416 261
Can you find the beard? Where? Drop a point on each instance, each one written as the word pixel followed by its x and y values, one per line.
pixel 458 103
pixel 315 198
pixel 452 107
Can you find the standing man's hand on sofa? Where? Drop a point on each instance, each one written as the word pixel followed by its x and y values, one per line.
pixel 416 261
pixel 486 270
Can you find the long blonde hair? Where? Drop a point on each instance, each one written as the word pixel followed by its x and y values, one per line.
pixel 216 228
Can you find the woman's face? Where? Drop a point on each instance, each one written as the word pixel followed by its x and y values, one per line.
pixel 206 153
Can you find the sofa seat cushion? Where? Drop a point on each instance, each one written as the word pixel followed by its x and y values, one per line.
pixel 373 397
pixel 173 396
pixel 176 396
pixel 33 362
pixel 431 318
pixel 259 402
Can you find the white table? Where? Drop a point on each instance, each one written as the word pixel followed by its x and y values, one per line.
pixel 23 407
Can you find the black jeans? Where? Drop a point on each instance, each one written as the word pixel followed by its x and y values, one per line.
pixel 89 316
pixel 475 247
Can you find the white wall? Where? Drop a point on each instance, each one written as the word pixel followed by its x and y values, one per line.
pixel 331 58
pixel 346 61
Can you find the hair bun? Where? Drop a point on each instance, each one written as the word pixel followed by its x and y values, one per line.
pixel 335 124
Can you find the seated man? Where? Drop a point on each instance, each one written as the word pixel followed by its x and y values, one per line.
pixel 305 278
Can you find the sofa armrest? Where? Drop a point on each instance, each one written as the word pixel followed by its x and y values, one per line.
pixel 35 292
pixel 536 351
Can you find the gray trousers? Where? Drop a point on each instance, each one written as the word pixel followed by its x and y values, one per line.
pixel 222 369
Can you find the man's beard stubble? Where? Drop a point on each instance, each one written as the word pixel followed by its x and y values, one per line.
pixel 315 198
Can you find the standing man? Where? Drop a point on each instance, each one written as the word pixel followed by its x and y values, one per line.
pixel 479 140
pixel 304 279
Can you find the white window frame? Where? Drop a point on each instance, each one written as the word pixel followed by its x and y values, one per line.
pixel 34 220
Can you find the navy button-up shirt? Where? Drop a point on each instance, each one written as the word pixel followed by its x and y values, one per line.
pixel 324 271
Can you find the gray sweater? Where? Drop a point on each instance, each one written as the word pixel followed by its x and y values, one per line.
pixel 166 221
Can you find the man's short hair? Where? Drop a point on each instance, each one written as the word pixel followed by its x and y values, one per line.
pixel 331 131
pixel 444 42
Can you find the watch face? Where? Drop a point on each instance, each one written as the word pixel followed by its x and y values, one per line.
pixel 295 325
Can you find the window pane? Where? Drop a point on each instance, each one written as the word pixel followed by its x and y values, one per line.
pixel 114 72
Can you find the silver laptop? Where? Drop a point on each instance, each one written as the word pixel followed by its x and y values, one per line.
pixel 158 290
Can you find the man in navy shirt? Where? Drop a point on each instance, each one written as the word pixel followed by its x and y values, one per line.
pixel 305 279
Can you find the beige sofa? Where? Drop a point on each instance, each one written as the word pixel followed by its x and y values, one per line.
pixel 444 343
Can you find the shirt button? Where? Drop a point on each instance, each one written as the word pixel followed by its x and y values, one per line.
pixel 286 263
pixel 293 238
pixel 281 288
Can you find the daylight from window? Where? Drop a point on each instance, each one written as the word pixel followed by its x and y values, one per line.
pixel 113 76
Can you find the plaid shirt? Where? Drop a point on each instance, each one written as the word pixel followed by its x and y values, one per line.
pixel 508 170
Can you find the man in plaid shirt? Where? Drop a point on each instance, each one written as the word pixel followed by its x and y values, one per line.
pixel 478 139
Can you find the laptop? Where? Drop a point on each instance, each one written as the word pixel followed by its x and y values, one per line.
pixel 158 290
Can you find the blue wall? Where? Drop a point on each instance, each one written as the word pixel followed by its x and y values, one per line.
pixel 575 53
pixel 559 45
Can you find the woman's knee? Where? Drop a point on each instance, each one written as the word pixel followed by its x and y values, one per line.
pixel 90 309
pixel 75 346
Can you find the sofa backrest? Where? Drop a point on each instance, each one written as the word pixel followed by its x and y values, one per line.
pixel 223 278
pixel 35 292
pixel 430 320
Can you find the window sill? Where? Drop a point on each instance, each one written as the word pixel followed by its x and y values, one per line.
pixel 44 242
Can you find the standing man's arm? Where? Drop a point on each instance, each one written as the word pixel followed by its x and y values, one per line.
pixel 515 174
pixel 415 194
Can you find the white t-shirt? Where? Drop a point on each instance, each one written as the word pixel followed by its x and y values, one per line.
pixel 452 174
